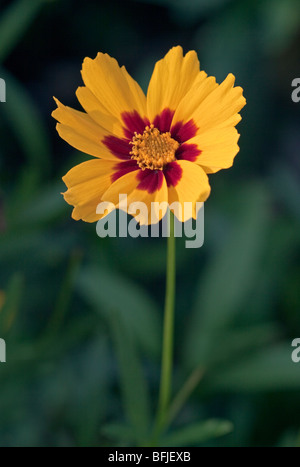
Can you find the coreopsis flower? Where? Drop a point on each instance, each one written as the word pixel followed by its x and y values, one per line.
pixel 155 148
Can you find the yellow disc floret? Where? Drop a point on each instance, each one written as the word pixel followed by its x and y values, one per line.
pixel 153 149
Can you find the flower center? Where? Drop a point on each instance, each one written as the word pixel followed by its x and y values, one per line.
pixel 153 149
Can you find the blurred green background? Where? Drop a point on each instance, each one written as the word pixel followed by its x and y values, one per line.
pixel 82 315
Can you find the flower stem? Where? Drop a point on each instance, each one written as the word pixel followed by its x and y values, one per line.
pixel 183 395
pixel 168 333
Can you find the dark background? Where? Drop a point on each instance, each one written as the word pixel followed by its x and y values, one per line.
pixel 238 299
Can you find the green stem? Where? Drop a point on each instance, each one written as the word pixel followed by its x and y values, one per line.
pixel 184 394
pixel 168 334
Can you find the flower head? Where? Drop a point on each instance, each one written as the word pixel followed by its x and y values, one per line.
pixel 158 148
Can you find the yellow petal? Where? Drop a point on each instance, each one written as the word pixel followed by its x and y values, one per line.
pixel 192 187
pixel 81 131
pixel 193 99
pixel 128 185
pixel 98 113
pixel 86 184
pixel 172 78
pixel 113 86
pixel 218 148
pixel 211 106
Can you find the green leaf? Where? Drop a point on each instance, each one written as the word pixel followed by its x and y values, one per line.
pixel 108 291
pixel 280 24
pixel 289 190
pixel 240 342
pixel 226 284
pixel 26 122
pixel 133 383
pixel 270 369
pixel 11 304
pixel 42 207
pixel 14 21
pixel 198 433
pixel 35 247
pixel 118 432
pixel 64 298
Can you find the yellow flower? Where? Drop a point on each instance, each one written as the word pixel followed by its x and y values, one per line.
pixel 153 149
